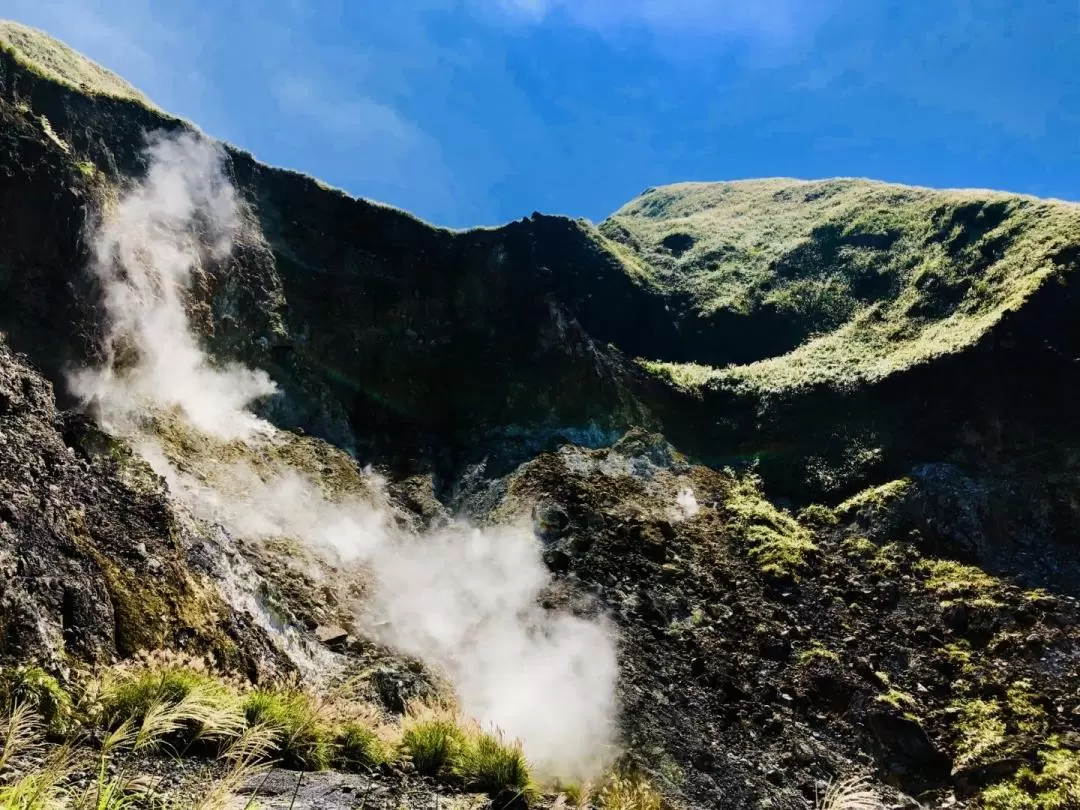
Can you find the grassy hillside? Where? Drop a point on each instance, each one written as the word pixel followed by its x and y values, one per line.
pixel 837 282
pixel 55 61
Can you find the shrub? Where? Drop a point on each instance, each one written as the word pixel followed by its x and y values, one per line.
pixel 488 764
pixel 303 739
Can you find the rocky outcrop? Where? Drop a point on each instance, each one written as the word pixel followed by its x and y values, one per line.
pixel 93 559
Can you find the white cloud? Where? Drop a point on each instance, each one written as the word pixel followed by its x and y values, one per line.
pixel 358 118
pixel 765 19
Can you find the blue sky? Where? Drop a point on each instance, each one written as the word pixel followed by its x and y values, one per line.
pixel 481 111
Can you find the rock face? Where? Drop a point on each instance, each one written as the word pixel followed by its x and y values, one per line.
pixel 92 557
pixel 809 446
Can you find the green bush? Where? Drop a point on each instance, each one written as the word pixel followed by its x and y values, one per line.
pixel 303 739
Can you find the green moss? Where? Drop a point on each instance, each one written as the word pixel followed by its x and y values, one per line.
pixel 32 685
pixel 858 547
pixel 898 699
pixel 689 378
pixel 879 498
pixel 1052 784
pixel 815 652
pixel 779 544
pixel 149 610
pixel 948 578
pixel 981 731
pixel 958 655
pixel 818 516
pixel 52 136
pixel 988 728
pixel 1025 713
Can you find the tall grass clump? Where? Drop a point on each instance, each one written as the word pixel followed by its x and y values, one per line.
pixel 487 763
pixel 431 737
pixel 629 792
pixel 364 740
pixel 303 738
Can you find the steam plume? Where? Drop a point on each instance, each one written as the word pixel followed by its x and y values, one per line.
pixel 463 599
pixel 182 213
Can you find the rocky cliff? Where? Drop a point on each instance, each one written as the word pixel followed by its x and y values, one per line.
pixel 807 447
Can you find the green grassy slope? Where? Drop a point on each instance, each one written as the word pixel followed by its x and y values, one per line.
pixel 55 61
pixel 837 282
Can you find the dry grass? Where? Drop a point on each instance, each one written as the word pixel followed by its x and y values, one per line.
pixel 851 793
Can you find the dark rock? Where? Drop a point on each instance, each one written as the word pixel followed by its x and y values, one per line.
pixel 550 520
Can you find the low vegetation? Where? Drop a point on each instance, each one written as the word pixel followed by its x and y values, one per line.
pixel 85 747
pixel 779 544
pixel 55 61
pixel 835 282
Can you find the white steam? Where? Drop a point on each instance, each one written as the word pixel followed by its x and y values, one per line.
pixel 144 255
pixel 463 599
pixel 686 502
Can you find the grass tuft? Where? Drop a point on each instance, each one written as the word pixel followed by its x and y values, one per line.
pixel 853 793
pixel 303 739
pixel 487 763
pixel 431 736
pixel 32 686
pixel 629 792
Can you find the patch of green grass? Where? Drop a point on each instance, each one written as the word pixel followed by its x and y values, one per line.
pixel 55 61
pixel 302 736
pixel 1052 784
pixel 779 544
pixel 948 578
pixel 879 498
pixel 358 744
pixel 981 730
pixel 867 278
pixel 858 547
pixel 818 516
pixel 689 378
pixel 431 737
pixel 131 694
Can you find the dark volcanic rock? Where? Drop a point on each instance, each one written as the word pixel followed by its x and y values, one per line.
pixel 91 555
